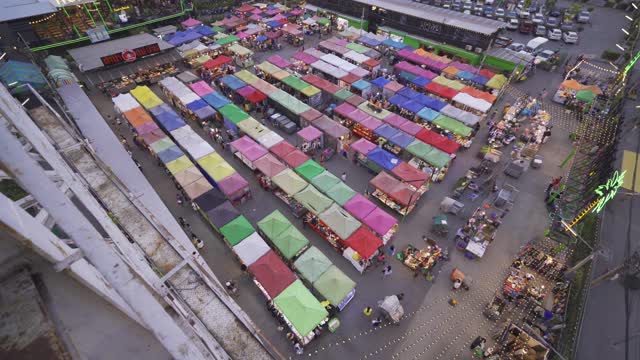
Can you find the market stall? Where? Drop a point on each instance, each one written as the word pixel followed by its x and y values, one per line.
pixel 382 224
pixel 221 215
pixel 433 162
pixel 235 188
pixel 271 275
pixel 242 56
pixel 422 259
pixel 393 193
pixel 361 247
pixel 288 184
pixel 336 287
pixel 476 236
pixel 289 242
pixel 301 311
pixel 267 167
pixel 310 140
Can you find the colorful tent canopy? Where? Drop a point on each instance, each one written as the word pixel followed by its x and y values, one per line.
pixel 339 221
pixel 452 125
pixel 233 113
pixel 217 62
pixel 237 230
pixel 14 73
pixel 401 139
pixel 233 185
pixel 441 90
pixel 269 165
pixel 273 225
pixel 295 158
pixel 269 139
pixel 359 206
pixel 410 128
pixel 279 61
pixel 309 170
pixel 364 242
pixel 290 242
pixel 272 273
pixel 170 154
pixel 290 182
pixel 428 114
pixel 386 131
pixel 383 158
pixel 216 100
pixel 340 193
pixel 410 175
pixel 210 200
pixel 497 82
pixel 313 200
pixel 282 149
pixel 197 188
pixel 324 181
pixel 395 120
pixel 312 264
pixel 334 285
pixel 252 248
pixel 380 222
pixel 222 214
pixel 438 141
pixel 233 82
pixel 363 146
pixel 146 97
pixel 178 165
pixel 301 308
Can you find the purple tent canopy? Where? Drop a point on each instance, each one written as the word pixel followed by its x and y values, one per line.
pixel 279 61
pixel 379 221
pixel 411 128
pixel 232 185
pixel 371 123
pixel 309 133
pixel 363 146
pixel 243 144
pixel 398 99
pixel 395 120
pixel 183 37
pixel 479 79
pixel 344 109
pixel 464 67
pixel 246 91
pixel 360 207
pixel 305 58
pixel 409 93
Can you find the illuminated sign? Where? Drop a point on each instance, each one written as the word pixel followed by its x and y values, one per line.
pixel 630 65
pixel 121 8
pixel 130 55
pixel 608 190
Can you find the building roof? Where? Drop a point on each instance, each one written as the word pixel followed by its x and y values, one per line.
pixel 18 9
pixel 439 15
pixel 518 58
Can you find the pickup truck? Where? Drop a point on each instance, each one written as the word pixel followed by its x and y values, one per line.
pixel 526 27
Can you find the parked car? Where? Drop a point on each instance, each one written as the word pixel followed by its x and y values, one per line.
pixel 488 12
pixel 512 14
pixel 488 2
pixel 478 9
pixel 567 25
pixel 516 47
pixel 538 19
pixel 468 5
pixel 513 24
pixel 541 30
pixel 456 6
pixel 526 27
pixel 554 34
pixel 544 56
pixel 502 41
pixel 570 37
pixel 525 15
pixel 500 13
pixel 553 21
pixel 555 12
pixel 583 17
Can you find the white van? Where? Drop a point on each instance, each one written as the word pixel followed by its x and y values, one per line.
pixel 534 45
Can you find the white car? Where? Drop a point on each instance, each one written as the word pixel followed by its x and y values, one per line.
pixel 583 17
pixel 500 13
pixel 554 34
pixel 524 15
pixel 517 47
pixel 541 30
pixel 570 37
pixel 538 19
pixel 543 56
pixel 513 24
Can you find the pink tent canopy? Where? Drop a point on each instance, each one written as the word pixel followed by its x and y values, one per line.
pixel 246 91
pixel 379 221
pixel 371 123
pixel 310 115
pixel 363 146
pixel 359 206
pixel 464 67
pixel 411 128
pixel 296 158
pixel 337 41
pixel 254 153
pixel 395 120
pixel 359 72
pixel 295 12
pixel 242 35
pixel 279 61
pixel 191 22
pixel 359 116
pixel 344 109
pixel 201 88
pixel 310 133
pixel 245 8
pixel 393 86
pixel 255 17
pixel 305 58
pixel 233 185
pixel 243 144
pixel 269 165
pixel 282 149
pixel 146 128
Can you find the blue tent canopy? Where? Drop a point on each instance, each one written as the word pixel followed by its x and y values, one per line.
pixel 383 158
pixel 261 38
pixel 398 99
pixel 431 102
pixel 14 73
pixel 271 7
pixel 394 44
pixel 170 154
pixel 197 104
pixel 380 82
pixel 216 100
pixel 402 139
pixel 428 114
pixel 408 93
pixel 412 106
pixel 420 81
pixel 169 120
pixel 183 37
pixel 233 82
pixel 386 131
pixel 465 75
pixel 479 79
pixel 406 76
pixel 369 41
pixel 156 110
pixel 274 24
pixel 205 112
pixel 205 30
pixel 361 85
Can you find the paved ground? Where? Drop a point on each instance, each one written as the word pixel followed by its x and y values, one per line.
pixel 432 329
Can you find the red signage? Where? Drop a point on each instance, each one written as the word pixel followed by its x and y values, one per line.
pixel 128 56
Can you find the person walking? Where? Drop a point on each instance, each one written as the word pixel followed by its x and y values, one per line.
pixel 182 221
pixel 392 250
pixel 179 199
pixel 343 176
pixel 376 322
pixel 386 271
pixel 368 311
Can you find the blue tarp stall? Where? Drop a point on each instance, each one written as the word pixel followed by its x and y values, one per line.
pixel 156 110
pixel 408 93
pixel 197 104
pixel 380 82
pixel 386 131
pixel 274 24
pixel 428 114
pixel 15 73
pixel 479 79
pixel 216 100
pixel 465 75
pixel 402 139
pixel 369 41
pixel 406 76
pixel 420 81
pixel 394 44
pixel 361 85
pixel 233 82
pixel 205 112
pixel 183 37
pixel 431 102
pixel 397 100
pixel 383 158
pixel 170 154
pixel 261 38
pixel 169 120
pixel 205 30
pixel 412 106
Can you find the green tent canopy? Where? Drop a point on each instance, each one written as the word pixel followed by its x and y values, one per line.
pixel 227 40
pixel 237 230
pixel 290 182
pixel 301 308
pixel 585 96
pixel 361 49
pixel 323 21
pixel 341 193
pixel 294 82
pixel 378 115
pixel 309 170
pixel 343 94
pixel 313 200
pixel 419 149
pixel 340 221
pixel 290 242
pixel 273 225
pixel 218 29
pixel 311 264
pixel 325 181
pixel 452 125
pixel 233 113
pixel 438 158
pixel 334 285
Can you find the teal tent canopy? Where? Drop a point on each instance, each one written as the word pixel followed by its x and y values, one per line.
pixel 15 73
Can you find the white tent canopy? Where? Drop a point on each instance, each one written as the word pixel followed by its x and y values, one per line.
pixel 474 103
pixel 338 62
pixel 355 56
pixel 329 69
pixel 183 132
pixel 270 139
pixel 464 117
pixel 125 102
pixel 251 249
pixel 188 98
pixel 195 146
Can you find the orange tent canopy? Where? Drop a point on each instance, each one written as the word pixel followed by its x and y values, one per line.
pixel 137 117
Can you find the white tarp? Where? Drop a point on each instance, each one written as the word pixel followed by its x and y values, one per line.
pixel 125 102
pixel 188 98
pixel 195 146
pixel 338 62
pixel 474 103
pixel 355 56
pixel 329 69
pixel 183 132
pixel 464 117
pixel 269 139
pixel 251 249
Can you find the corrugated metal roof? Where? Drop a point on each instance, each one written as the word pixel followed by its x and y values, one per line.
pixel 439 15
pixel 18 9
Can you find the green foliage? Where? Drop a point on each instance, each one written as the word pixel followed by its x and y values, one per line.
pixel 12 190
pixel 610 55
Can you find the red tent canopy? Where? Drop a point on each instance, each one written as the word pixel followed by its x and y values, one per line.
pixel 255 97
pixel 282 149
pixel 350 78
pixel 438 141
pixel 371 63
pixel 273 274
pixel 409 174
pixel 403 194
pixel 295 158
pixel 441 90
pixel 217 62
pixel 486 73
pixel 245 8
pixel 364 242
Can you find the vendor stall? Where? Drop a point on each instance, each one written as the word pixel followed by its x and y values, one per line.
pixel 242 56
pixel 310 139
pixel 221 215
pixel 382 224
pixel 289 242
pixel 398 196
pixel 433 162
pixel 476 236
pixel 271 275
pixel 288 183
pixel 301 311
pixel 424 259
pixel 361 247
